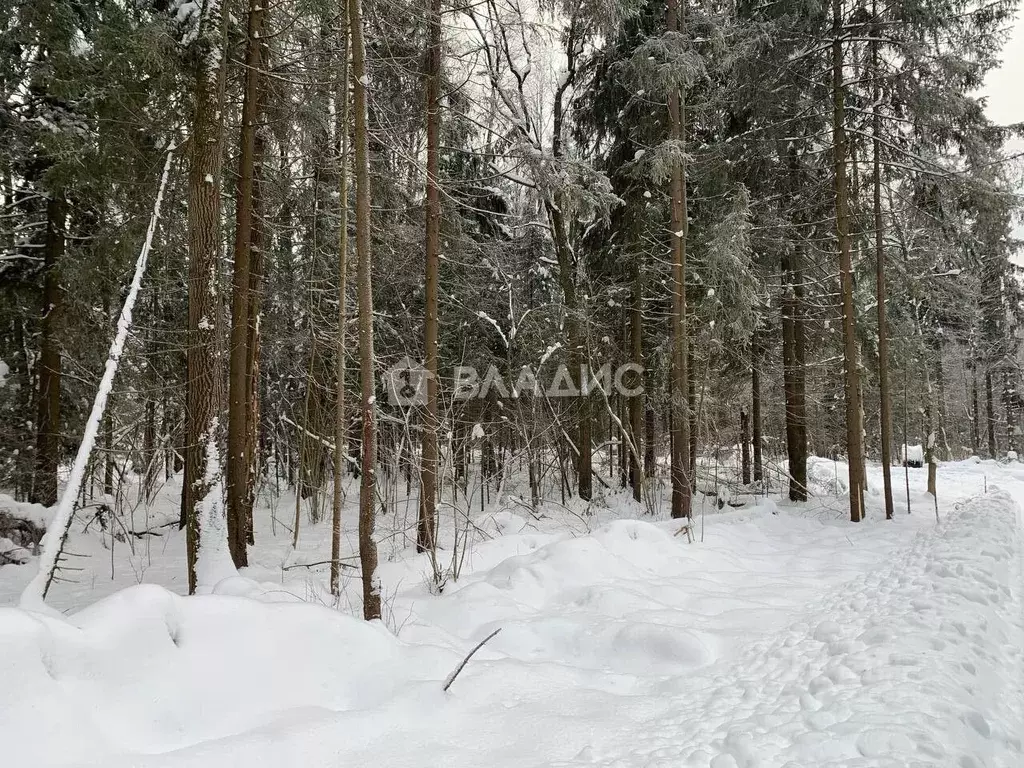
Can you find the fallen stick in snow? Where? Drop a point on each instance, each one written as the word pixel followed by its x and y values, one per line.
pixel 455 672
pixel 687 530
pixel 57 532
pixel 341 562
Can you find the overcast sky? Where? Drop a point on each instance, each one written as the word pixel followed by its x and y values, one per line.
pixel 1005 90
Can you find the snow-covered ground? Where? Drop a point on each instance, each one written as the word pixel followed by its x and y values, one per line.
pixel 783 636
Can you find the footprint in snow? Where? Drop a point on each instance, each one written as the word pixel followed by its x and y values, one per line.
pixel 827 631
pixel 978 722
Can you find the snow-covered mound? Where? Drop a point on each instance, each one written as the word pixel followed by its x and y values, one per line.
pixel 829 477
pixel 148 671
pixel 912 455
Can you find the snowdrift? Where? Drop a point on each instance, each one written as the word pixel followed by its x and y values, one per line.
pixel 783 640
pixel 148 671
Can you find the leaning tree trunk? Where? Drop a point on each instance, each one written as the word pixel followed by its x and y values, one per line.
pixel 367 480
pixel 680 464
pixel 44 480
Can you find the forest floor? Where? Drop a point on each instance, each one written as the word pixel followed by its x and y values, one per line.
pixel 783 636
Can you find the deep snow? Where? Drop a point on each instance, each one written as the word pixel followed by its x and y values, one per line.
pixel 788 637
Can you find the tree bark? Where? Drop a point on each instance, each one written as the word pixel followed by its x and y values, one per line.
pixel 149 450
pixel 636 402
pixel 691 389
pixel 340 431
pixel 426 527
pixel 991 421
pixel 854 436
pixel 108 449
pixel 239 395
pixel 793 355
pixel 257 241
pixel 650 439
pixel 1011 444
pixel 744 446
pixel 755 406
pixel 202 394
pixel 884 394
pixel 975 413
pixel 929 416
pixel 567 264
pixel 367 480
pixel 44 481
pixel 679 389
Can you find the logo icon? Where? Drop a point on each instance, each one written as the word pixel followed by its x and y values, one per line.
pixel 406 383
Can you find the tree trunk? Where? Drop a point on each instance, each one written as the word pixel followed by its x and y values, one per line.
pixel 1011 444
pixel 929 417
pixel 744 446
pixel 884 395
pixel 794 356
pixel 257 241
pixel 239 395
pixel 27 401
pixel 202 394
pixel 636 402
pixel 149 451
pixel 679 389
pixel 691 389
pixel 44 481
pixel 426 527
pixel 108 449
pixel 367 480
pixel 854 436
pixel 650 441
pixel 990 408
pixel 975 414
pixel 622 433
pixel 108 422
pixel 577 353
pixel 340 431
pixel 755 406
pixel 554 206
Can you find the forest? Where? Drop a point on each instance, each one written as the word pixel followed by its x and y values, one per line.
pixel 786 226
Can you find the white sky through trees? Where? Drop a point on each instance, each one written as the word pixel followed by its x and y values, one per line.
pixel 1004 89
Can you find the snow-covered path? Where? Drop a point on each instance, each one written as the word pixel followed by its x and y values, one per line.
pixel 783 640
pixel 905 667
